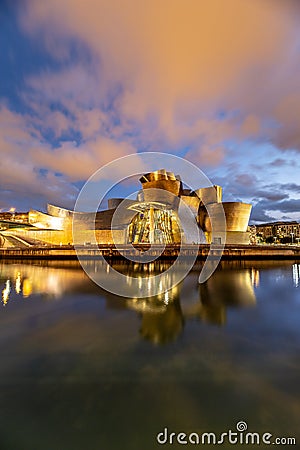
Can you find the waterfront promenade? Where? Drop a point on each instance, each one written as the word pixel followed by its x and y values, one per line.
pixel 230 252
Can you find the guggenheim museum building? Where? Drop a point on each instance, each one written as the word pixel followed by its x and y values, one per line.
pixel 153 217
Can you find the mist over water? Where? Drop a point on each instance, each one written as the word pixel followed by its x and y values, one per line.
pixel 84 369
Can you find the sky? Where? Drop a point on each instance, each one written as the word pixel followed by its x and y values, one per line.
pixel 83 82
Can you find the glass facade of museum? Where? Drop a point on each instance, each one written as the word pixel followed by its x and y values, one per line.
pixel 153 225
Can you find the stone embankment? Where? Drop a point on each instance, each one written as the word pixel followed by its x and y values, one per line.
pixel 230 252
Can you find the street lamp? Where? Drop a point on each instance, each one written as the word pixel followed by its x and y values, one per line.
pixel 292 234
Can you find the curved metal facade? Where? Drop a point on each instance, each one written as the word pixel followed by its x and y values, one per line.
pixel 237 216
pixel 46 221
pixel 160 200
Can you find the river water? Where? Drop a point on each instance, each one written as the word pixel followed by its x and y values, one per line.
pixel 84 369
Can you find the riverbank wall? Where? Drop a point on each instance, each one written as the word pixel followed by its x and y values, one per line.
pixel 230 252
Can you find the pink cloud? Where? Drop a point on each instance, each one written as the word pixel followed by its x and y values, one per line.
pixel 24 155
pixel 79 163
pixel 166 53
pixel 177 64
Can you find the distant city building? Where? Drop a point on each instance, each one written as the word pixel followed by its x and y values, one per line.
pixel 252 235
pixel 21 217
pixel 279 232
pixel 152 218
pixel 13 219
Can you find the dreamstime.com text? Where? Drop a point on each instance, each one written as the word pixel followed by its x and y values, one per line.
pixel 238 436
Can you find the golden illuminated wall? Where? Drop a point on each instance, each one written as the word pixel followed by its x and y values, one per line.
pixel 163 180
pixel 57 211
pixel 57 237
pixel 238 237
pixel 87 220
pixel 237 216
pixel 193 203
pixel 45 221
pixel 212 194
pixel 172 186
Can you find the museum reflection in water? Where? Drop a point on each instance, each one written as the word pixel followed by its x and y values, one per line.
pixel 162 317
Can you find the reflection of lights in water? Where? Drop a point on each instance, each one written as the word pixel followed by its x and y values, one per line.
pixel 166 301
pixel 255 277
pixel 146 306
pixel 18 283
pixel 296 274
pixel 27 279
pixel 52 283
pixel 129 280
pixel 27 287
pixel 6 292
pixel 229 288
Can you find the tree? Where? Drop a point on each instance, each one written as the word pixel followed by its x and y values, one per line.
pixel 286 240
pixel 270 240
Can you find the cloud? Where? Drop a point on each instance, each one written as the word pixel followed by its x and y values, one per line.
pixel 279 162
pixel 285 187
pixel 32 172
pixel 25 157
pixel 79 163
pixel 246 179
pixel 259 215
pixel 207 80
pixel 267 211
pixel 287 113
pixel 181 60
pixel 273 196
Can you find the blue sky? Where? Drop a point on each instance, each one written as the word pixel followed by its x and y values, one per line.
pixel 84 82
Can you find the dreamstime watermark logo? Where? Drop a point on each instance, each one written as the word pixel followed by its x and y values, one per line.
pixel 239 436
pixel 119 171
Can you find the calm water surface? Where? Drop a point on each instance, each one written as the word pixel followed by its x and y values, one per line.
pixel 84 369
